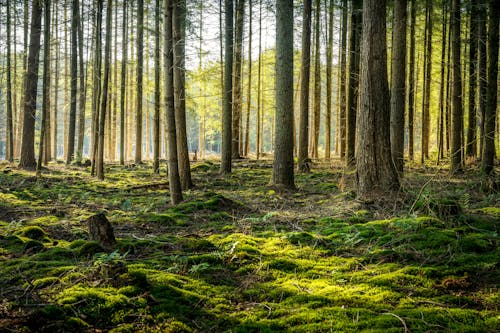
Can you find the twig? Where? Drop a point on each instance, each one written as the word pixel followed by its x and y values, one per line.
pixel 400 319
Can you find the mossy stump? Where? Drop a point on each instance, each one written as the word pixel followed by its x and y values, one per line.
pixel 101 231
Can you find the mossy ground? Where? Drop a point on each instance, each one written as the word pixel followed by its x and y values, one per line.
pixel 239 256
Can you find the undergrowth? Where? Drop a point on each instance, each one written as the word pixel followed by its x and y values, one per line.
pixel 237 256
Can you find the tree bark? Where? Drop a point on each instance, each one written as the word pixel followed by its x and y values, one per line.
pixel 225 166
pixel 283 153
pixel 74 82
pixel 374 168
pixel 411 80
pixel 249 91
pixel 492 89
pixel 156 129
pixel 9 156
pixel 238 57
pixel 471 146
pixel 329 66
pixel 27 160
pixel 398 86
pixel 317 82
pixel 139 74
pixel 303 165
pixel 481 43
pixel 427 82
pixel 81 105
pixel 456 111
pixel 342 93
pixel 123 84
pixel 96 82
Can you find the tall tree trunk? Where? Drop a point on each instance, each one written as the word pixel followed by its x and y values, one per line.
pixel 123 84
pixel 283 154
pixel 456 111
pixel 374 167
pixel 27 160
pixel 225 166
pixel 55 114
pixel 352 90
pixel 46 83
pixel 342 87
pixel 427 82
pixel 471 146
pixel 74 81
pixel 238 57
pixel 96 82
pixel 20 131
pixel 81 105
pixel 317 82
pixel 156 130
pixel 10 132
pixel 329 65
pixel 411 80
pixel 249 91
pixel 178 32
pixel 168 61
pixel 104 99
pixel 440 135
pixel 481 46
pixel 491 96
pixel 139 74
pixel 305 72
pixel 258 140
pixel 398 86
pixel 448 83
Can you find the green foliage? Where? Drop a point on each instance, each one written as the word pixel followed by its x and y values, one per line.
pixel 33 232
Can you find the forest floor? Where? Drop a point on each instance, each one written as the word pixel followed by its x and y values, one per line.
pixel 240 256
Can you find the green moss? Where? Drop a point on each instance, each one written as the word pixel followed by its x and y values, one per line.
pixel 88 249
pixel 33 232
pixel 33 246
pixel 45 282
pixel 171 218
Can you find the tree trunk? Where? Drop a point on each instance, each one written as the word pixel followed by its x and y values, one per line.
pixel 471 147
pixel 317 82
pixel 411 80
pixel 156 130
pixel 352 90
pixel 283 154
pixel 168 60
pixel 238 57
pixel 305 71
pixel 342 93
pixel 258 140
pixel 27 160
pixel 427 82
pixel 123 84
pixel 104 99
pixel 374 168
pixel 96 82
pixel 81 105
pixel 398 86
pixel 492 90
pixel 329 65
pixel 249 91
pixel 481 46
pixel 225 166
pixel 139 74
pixel 74 82
pixel 46 83
pixel 440 136
pixel 456 111
pixel 56 85
pixel 9 156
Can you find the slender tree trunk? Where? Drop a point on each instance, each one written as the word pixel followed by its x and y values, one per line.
pixel 456 110
pixel 123 84
pixel 27 160
pixel 492 89
pixel 481 43
pixel 374 167
pixel 411 80
pixel 156 130
pixel 448 83
pixel 46 83
pixel 471 146
pixel 238 57
pixel 440 140
pixel 20 131
pixel 342 93
pixel 317 81
pixel 139 74
pixel 179 25
pixel 352 90
pixel 225 166
pixel 398 86
pixel 104 99
pixel 283 154
pixel 81 105
pixel 168 61
pixel 303 165
pixel 96 82
pixel 55 131
pixel 249 91
pixel 329 65
pixel 427 82
pixel 10 132
pixel 74 81
pixel 258 140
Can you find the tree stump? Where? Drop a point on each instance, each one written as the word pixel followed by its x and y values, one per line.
pixel 101 231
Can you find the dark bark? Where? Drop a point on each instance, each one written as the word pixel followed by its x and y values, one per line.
pixel 27 160
pixel 225 166
pixel 123 84
pixel 156 129
pixel 303 165
pixel 329 66
pixel 411 80
pixel 74 82
pixel 471 146
pixel 398 86
pixel 96 81
pixel 481 43
pixel 237 62
pixel 456 107
pixel 101 231
pixel 81 105
pixel 440 134
pixel 139 74
pixel 374 168
pixel 317 82
pixel 342 93
pixel 10 132
pixel 249 91
pixel 283 153
pixel 427 82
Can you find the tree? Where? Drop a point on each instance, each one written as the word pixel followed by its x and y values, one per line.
pixel 104 96
pixel 456 110
pixel 27 160
pixel 123 84
pixel 317 82
pixel 46 83
pixel 283 155
pixel 398 86
pixel 238 57
pixel 342 86
pixel 10 131
pixel 303 166
pixel 471 146
pixel 96 82
pixel 173 167
pixel 225 166
pixel 178 35
pixel 374 168
pixel 81 105
pixel 481 47
pixel 427 81
pixel 140 64
pixel 249 91
pixel 156 130
pixel 74 82
pixel 411 79
pixel 352 89
pixel 441 118
pixel 491 97
pixel 329 66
